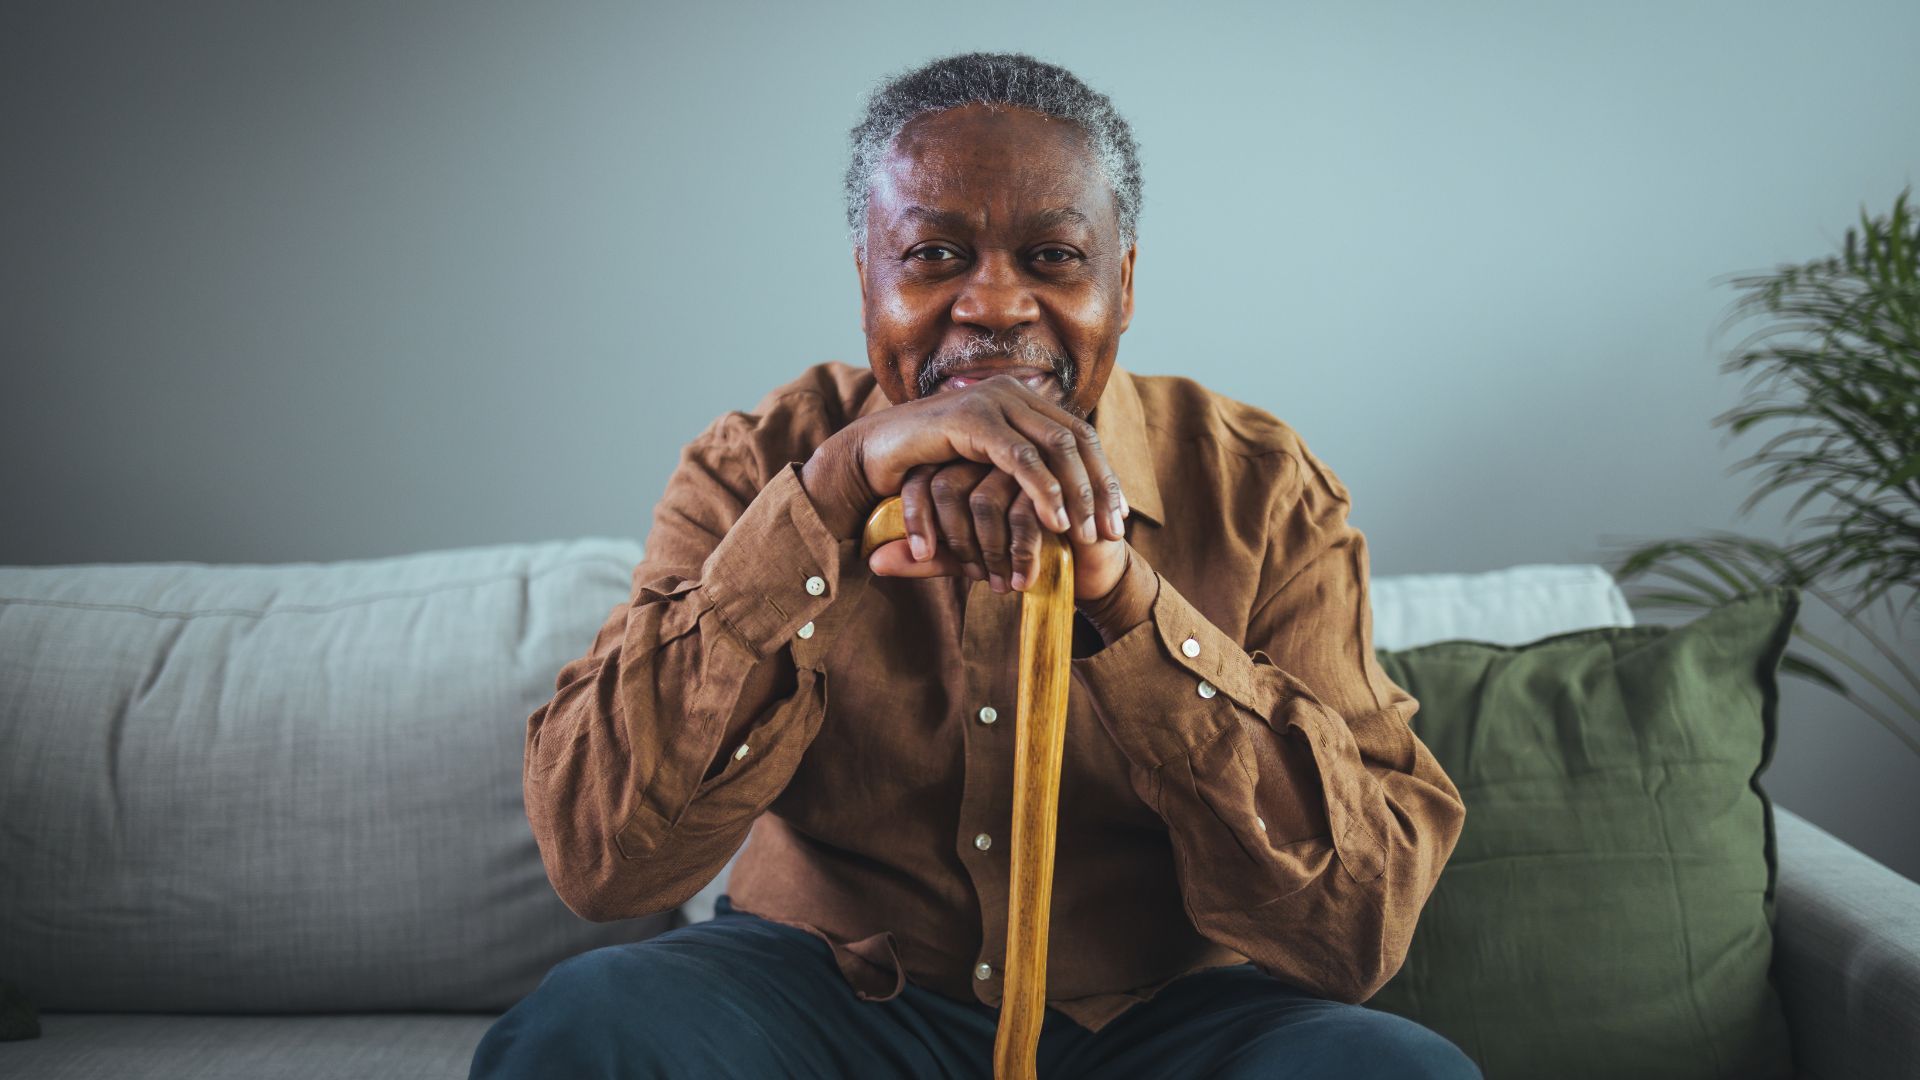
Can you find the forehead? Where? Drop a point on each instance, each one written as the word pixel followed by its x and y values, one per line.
pixel 987 161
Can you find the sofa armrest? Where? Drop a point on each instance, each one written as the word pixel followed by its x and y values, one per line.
pixel 1846 957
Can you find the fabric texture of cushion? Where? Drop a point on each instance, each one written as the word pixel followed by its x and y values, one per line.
pixel 1608 910
pixel 287 788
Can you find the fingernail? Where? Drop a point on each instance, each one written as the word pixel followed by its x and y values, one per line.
pixel 1126 507
pixel 999 583
pixel 1089 532
pixel 1019 580
pixel 919 545
pixel 1061 521
pixel 1119 525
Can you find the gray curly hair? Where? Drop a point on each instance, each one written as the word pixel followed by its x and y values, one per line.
pixel 999 79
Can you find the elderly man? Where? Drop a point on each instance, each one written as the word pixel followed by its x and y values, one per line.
pixel 1248 827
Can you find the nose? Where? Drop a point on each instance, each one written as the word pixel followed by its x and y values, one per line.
pixel 994 296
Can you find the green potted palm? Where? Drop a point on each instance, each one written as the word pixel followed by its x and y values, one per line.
pixel 1833 355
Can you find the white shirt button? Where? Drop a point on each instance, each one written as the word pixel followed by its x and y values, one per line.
pixel 740 753
pixel 988 714
pixel 983 841
pixel 806 631
pixel 1206 689
pixel 983 972
pixel 1191 647
pixel 1260 821
pixel 816 585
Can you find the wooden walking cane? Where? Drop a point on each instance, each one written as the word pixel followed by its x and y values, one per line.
pixel 1040 730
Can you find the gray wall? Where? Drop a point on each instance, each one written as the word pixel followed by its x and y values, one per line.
pixel 287 282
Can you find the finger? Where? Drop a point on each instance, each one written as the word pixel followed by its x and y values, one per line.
pixel 1024 524
pixel 1058 436
pixel 951 485
pixel 895 559
pixel 985 434
pixel 1112 510
pixel 1010 452
pixel 1109 501
pixel 990 501
pixel 916 506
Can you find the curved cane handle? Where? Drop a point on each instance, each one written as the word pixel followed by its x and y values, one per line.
pixel 1040 733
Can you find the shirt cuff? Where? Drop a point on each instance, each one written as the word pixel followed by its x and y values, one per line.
pixel 1170 684
pixel 779 567
pixel 1128 604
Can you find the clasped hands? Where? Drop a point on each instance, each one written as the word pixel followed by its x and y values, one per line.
pixel 980 471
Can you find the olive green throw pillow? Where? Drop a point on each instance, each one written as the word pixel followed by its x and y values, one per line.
pixel 1608 911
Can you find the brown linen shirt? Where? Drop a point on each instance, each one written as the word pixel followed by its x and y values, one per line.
pixel 1240 779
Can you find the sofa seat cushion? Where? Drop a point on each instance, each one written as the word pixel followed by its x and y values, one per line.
pixel 158 1046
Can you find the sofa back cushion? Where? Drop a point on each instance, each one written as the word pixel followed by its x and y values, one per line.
pixel 287 788
pixel 1509 606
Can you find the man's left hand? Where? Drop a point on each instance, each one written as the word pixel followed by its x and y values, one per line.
pixel 970 519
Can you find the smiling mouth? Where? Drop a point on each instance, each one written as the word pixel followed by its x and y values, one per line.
pixel 1040 382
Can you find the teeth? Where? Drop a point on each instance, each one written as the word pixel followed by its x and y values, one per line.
pixel 1036 380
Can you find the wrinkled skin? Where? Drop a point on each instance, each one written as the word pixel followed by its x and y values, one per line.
pixel 994 289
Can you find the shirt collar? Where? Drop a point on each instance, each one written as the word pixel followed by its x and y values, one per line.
pixel 1121 422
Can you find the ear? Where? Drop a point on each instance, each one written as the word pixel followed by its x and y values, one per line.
pixel 860 270
pixel 1126 287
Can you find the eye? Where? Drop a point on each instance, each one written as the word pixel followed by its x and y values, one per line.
pixel 934 253
pixel 1055 256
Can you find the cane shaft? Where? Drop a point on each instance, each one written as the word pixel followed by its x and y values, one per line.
pixel 1040 729
pixel 1046 649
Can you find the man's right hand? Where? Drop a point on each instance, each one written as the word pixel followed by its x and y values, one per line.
pixel 1054 456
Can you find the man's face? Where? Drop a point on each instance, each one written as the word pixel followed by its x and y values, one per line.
pixel 993 245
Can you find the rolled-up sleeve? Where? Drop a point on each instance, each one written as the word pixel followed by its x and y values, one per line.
pixel 1308 823
pixel 692 709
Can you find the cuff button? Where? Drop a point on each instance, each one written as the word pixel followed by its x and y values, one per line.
pixel 1206 689
pixel 816 585
pixel 1191 647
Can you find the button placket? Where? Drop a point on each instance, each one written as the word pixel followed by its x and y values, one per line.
pixel 990 652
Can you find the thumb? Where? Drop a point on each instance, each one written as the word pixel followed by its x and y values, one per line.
pixel 895 559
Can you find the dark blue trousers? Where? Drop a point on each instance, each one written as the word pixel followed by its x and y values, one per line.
pixel 743 997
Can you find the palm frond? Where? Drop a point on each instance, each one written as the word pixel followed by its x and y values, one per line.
pixel 1830 352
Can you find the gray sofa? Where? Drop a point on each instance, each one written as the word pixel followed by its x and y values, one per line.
pixel 264 821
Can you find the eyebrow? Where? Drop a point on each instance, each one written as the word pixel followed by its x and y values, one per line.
pixel 1052 217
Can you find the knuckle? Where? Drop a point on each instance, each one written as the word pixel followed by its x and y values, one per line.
pixel 1062 439
pixel 1026 454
